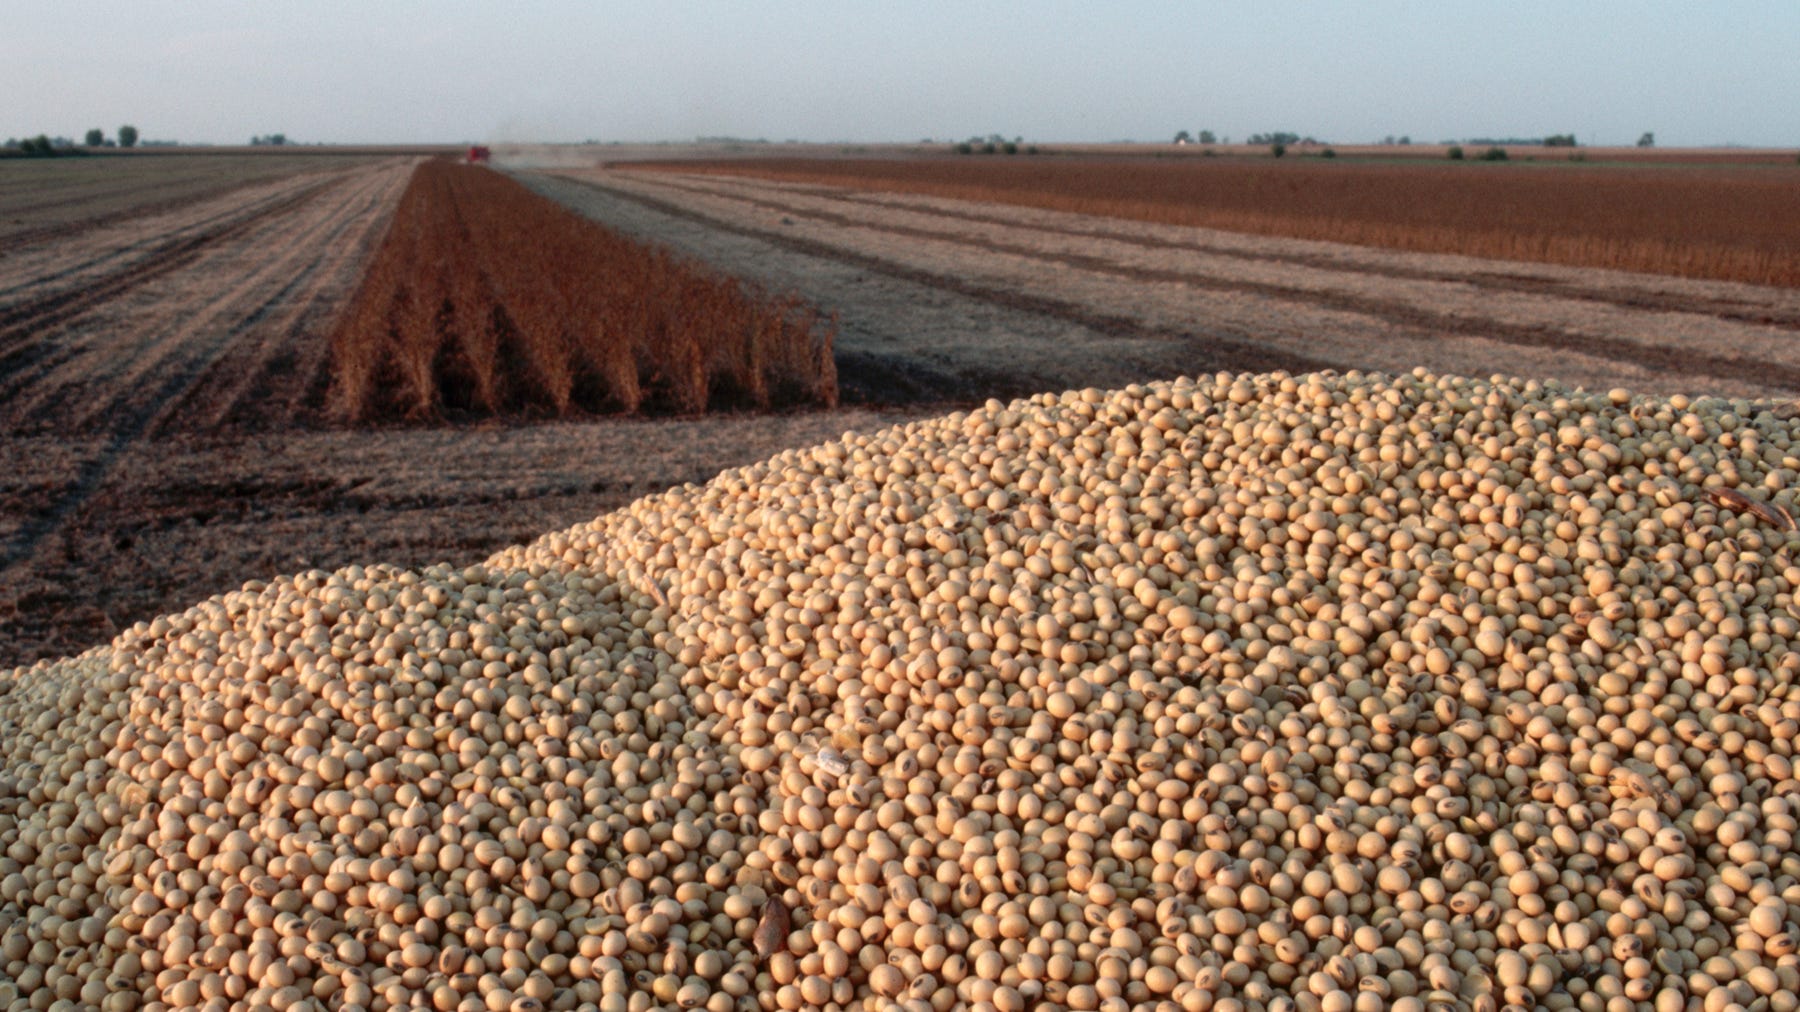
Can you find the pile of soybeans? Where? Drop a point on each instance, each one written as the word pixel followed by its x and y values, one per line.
pixel 1248 692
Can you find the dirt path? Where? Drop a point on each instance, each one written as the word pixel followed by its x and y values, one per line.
pixel 1147 300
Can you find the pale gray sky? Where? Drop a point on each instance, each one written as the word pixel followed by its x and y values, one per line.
pixel 1696 73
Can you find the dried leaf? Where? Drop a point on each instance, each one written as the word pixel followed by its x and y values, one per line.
pixel 1786 517
pixel 771 932
pixel 1731 499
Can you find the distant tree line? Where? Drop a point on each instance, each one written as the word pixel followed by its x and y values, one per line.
pixel 41 146
pixel 1552 141
pixel 269 141
pixel 994 144
pixel 1495 153
pixel 45 146
pixel 1282 137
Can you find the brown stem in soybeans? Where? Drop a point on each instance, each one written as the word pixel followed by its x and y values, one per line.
pixel 1773 514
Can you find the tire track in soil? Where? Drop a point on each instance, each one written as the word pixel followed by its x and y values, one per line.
pixel 81 226
pixel 1731 310
pixel 130 426
pixel 1399 313
pixel 1216 352
pixel 81 268
pixel 38 401
pixel 32 319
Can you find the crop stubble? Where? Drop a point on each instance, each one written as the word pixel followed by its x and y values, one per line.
pixel 129 329
pixel 42 199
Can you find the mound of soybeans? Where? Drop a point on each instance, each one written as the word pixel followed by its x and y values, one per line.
pixel 1251 692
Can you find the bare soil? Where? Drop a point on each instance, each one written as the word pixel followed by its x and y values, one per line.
pixel 185 515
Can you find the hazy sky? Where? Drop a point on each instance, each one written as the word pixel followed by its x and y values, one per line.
pixel 1696 73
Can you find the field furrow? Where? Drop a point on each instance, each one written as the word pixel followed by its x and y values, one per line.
pixel 42 276
pixel 33 336
pixel 58 201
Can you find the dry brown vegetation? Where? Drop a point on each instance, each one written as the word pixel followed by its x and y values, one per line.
pixel 1722 222
pixel 486 298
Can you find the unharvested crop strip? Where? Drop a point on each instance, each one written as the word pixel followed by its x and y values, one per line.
pixel 1720 308
pixel 1686 361
pixel 1732 224
pixel 488 299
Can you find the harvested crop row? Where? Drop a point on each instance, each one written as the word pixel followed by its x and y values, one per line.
pixel 55 199
pixel 1248 692
pixel 1728 223
pixel 485 298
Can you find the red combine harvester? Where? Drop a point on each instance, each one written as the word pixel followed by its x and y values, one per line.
pixel 479 155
